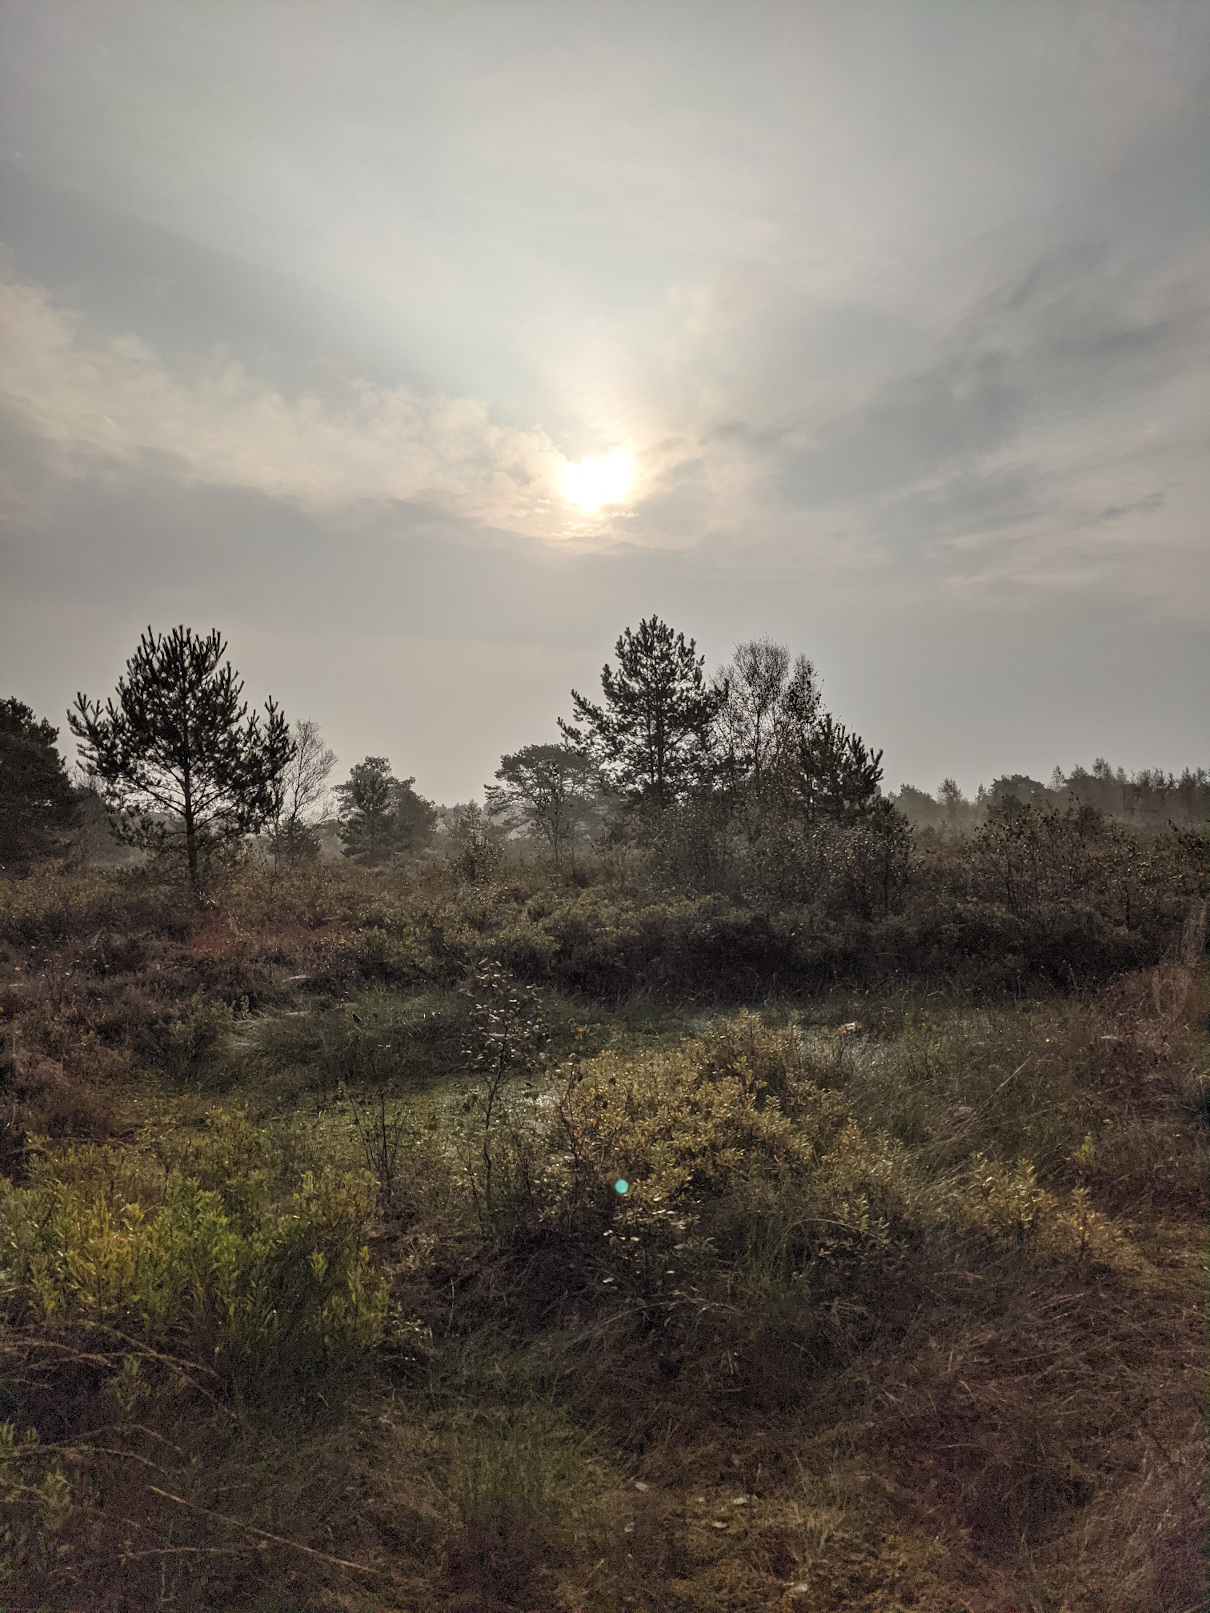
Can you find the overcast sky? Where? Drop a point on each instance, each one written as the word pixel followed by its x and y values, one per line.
pixel 900 314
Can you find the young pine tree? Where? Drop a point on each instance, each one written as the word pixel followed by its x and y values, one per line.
pixel 381 817
pixel 652 736
pixel 179 761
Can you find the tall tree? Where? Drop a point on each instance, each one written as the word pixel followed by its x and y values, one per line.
pixel 952 800
pixel 779 745
pixel 37 804
pixel 381 817
pixel 549 790
pixel 178 758
pixel 301 788
pixel 652 735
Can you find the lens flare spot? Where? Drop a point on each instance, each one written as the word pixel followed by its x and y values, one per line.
pixel 621 1186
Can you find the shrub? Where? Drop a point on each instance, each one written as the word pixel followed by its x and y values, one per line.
pixel 715 1197
pixel 193 1038
pixel 257 1295
pixel 51 907
pixel 35 1502
pixel 856 870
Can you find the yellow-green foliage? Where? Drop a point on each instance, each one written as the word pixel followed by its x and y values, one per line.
pixel 242 1288
pixel 725 1140
pixel 1008 1202
pixel 413 942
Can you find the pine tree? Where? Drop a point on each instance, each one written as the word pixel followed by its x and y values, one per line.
pixel 549 790
pixel 381 817
pixel 178 759
pixel 37 805
pixel 652 735
pixel 837 776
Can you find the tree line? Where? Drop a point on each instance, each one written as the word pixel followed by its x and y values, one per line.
pixel 738 780
pixel 1149 799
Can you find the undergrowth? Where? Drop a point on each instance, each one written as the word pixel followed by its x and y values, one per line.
pixel 417 1243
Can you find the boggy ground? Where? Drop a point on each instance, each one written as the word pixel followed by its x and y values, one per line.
pixel 319 1292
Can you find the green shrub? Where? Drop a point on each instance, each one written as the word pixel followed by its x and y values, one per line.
pixel 255 1295
pixel 35 1503
pixel 94 911
pixel 384 1040
pixel 193 1038
pixel 416 940
pixel 1007 1203
pixel 714 1197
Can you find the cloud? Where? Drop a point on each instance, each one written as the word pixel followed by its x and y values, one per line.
pixel 112 400
pixel 1050 436
pixel 1069 339
pixel 996 449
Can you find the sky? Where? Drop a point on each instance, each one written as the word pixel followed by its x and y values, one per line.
pixel 423 348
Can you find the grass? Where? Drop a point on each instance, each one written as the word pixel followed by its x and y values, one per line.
pixel 903 1307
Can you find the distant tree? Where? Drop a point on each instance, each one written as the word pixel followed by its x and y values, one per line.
pixel 301 788
pixel 548 790
pixel 653 734
pixel 918 807
pixel 381 817
pixel 953 802
pixel 950 795
pixel 367 802
pixel 770 702
pixel 177 757
pixel 753 686
pixel 1013 790
pixel 37 803
pixel 475 849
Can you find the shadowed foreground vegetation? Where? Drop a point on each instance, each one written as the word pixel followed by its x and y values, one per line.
pixel 474 1237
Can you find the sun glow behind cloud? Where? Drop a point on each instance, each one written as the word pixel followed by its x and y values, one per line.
pixel 597 482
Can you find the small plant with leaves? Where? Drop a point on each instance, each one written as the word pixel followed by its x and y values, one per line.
pixel 381 1130
pixel 35 1501
pixel 505 1040
pixel 260 1295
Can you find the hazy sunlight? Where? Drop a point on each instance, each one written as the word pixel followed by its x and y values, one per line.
pixel 597 481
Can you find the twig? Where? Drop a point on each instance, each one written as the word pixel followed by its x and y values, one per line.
pixel 155 1355
pixel 143 1350
pixel 21 1345
pixel 171 1551
pixel 263 1534
pixel 1008 1078
pixel 84 1450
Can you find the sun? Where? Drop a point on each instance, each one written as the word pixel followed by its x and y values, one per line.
pixel 597 482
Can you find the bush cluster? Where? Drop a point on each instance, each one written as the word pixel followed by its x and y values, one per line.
pixel 216 1274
